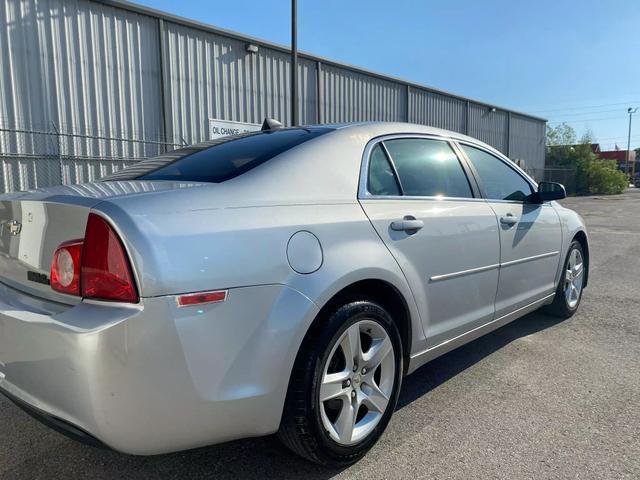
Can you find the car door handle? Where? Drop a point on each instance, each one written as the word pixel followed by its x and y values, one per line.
pixel 407 224
pixel 508 219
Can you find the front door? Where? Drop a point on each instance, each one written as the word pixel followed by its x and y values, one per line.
pixel 446 241
pixel 530 234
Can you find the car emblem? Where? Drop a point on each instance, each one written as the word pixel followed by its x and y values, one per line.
pixel 14 227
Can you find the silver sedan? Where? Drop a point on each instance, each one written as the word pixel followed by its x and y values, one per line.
pixel 278 281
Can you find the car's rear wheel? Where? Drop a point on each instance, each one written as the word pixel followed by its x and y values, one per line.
pixel 344 386
pixel 569 291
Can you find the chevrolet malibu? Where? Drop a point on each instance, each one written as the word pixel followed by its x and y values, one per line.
pixel 277 281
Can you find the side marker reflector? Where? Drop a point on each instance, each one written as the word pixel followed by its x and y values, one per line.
pixel 201 297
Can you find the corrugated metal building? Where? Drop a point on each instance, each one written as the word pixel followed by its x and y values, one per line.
pixel 86 86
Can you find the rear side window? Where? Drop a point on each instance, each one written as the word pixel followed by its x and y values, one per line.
pixel 428 168
pixel 219 160
pixel 500 181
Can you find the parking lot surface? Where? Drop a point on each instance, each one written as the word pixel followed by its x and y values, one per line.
pixel 539 398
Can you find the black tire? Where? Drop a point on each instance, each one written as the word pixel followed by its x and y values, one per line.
pixel 560 307
pixel 301 428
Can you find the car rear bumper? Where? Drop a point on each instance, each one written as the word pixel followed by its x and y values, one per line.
pixel 55 423
pixel 154 378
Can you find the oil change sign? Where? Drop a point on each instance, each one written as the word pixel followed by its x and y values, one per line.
pixel 222 128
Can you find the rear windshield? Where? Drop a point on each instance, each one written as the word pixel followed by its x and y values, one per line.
pixel 221 159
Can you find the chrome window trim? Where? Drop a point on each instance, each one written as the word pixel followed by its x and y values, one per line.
pixel 518 202
pixel 404 198
pixel 363 192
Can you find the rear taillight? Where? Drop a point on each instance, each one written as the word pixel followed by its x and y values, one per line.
pixel 96 267
pixel 106 273
pixel 65 268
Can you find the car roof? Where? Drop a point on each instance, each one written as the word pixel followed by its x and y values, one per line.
pixel 377 128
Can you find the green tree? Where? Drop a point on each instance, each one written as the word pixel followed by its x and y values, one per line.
pixel 593 174
pixel 563 134
pixel 563 149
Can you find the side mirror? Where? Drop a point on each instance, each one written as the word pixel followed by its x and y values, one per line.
pixel 548 191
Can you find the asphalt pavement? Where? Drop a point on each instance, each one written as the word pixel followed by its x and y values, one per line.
pixel 539 398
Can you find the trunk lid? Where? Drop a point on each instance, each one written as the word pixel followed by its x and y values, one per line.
pixel 33 224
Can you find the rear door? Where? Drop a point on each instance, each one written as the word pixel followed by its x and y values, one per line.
pixel 419 198
pixel 530 233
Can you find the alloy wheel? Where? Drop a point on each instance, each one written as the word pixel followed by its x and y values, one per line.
pixel 357 382
pixel 574 278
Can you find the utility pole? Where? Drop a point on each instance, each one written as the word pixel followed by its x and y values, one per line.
pixel 630 111
pixel 294 62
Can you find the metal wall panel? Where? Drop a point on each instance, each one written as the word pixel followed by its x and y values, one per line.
pixel 349 96
pixel 23 173
pixel 211 76
pixel 489 127
pixel 29 172
pixel 437 110
pixel 527 142
pixel 83 67
pixel 83 171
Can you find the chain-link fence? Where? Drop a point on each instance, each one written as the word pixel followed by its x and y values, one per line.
pixel 39 157
pixel 565 176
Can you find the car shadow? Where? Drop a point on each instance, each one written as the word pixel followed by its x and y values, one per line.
pixel 52 455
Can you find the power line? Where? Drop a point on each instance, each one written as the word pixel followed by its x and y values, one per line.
pixel 610 141
pixel 611 146
pixel 585 107
pixel 581 120
pixel 584 113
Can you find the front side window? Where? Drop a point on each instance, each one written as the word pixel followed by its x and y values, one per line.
pixel 428 168
pixel 500 182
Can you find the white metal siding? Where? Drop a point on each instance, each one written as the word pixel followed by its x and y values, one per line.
pixel 527 141
pixel 211 76
pixel 85 67
pixel 489 127
pixel 349 96
pixel 436 110
pixel 79 67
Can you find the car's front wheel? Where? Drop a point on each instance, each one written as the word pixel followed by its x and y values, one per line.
pixel 569 291
pixel 344 386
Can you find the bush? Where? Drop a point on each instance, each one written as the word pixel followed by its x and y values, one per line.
pixel 602 177
pixel 594 176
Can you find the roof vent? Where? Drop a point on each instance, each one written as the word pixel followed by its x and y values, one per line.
pixel 270 124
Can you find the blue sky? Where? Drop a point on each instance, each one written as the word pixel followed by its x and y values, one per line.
pixel 565 60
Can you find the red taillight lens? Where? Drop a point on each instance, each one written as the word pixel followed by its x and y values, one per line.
pixel 65 268
pixel 106 272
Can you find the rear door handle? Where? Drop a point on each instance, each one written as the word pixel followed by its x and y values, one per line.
pixel 407 224
pixel 508 219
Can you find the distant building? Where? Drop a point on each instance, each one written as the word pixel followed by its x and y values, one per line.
pixel 622 158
